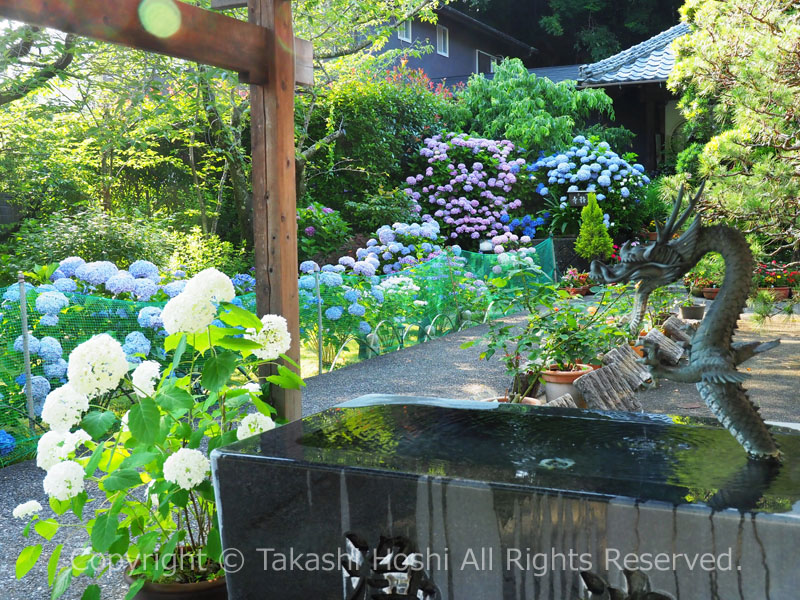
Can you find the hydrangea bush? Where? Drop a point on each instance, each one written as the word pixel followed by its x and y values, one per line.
pixel 589 164
pixel 151 466
pixel 470 186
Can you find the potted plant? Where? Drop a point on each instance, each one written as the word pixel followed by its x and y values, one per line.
pixel 707 275
pixel 573 338
pixel 155 509
pixel 776 279
pixel 577 283
pixel 691 309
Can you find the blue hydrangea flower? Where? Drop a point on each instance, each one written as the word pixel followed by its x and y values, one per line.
pixel 144 269
pixel 331 279
pixel 7 443
pixel 601 197
pixel 377 293
pixel 65 285
pixel 40 387
pixel 347 261
pixel 150 318
pixel 604 180
pixel 12 293
pixel 334 313
pixel 51 303
pixel 50 349
pixel 357 310
pixel 57 274
pixel 121 283
pixel 56 370
pixel 352 295
pixel 237 302
pixel 144 289
pixel 625 192
pixel 174 288
pixel 96 273
pixel 244 281
pixel 136 343
pixel 48 321
pixel 47 287
pixel 33 344
pixel 69 265
pixel 364 327
pixel 307 282
pixel 309 266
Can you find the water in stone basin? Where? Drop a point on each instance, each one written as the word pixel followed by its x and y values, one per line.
pixel 673 459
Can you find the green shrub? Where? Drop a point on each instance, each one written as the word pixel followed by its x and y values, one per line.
pixel 381 208
pixel 593 240
pixel 533 112
pixel 320 231
pixel 383 123
pixel 194 252
pixel 92 235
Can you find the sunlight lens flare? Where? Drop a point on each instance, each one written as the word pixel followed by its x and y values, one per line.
pixel 161 18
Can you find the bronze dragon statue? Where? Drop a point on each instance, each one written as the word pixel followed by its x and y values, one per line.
pixel 713 356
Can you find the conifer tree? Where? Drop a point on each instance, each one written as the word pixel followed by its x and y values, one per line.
pixel 593 239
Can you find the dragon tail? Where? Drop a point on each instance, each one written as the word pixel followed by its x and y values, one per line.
pixel 737 413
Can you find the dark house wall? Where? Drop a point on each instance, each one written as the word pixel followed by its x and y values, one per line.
pixel 641 108
pixel 464 41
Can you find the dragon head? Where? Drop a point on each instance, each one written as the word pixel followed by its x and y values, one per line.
pixel 654 264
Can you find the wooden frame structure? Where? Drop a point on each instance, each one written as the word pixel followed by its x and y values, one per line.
pixel 263 51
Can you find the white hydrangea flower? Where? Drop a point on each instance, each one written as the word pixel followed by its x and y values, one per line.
pixel 64 408
pixel 144 378
pixel 186 313
pixel 97 365
pixel 26 509
pixel 253 424
pixel 55 446
pixel 253 387
pixel 124 422
pixel 187 468
pixel 210 284
pixel 64 481
pixel 274 337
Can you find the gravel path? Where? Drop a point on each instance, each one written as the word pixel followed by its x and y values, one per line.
pixel 437 368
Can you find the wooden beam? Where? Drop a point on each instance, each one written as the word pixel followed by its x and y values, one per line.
pixel 228 4
pixel 202 36
pixel 274 203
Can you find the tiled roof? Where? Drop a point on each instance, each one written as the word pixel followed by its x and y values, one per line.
pixel 652 60
pixel 558 74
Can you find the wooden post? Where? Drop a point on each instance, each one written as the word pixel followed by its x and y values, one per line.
pixel 274 203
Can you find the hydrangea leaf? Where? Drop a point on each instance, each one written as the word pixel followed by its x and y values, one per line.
pixel 92 592
pixel 174 400
pixel 217 370
pixel 62 583
pixel 27 559
pixel 52 564
pixel 46 528
pixel 97 423
pixel 144 420
pixel 239 317
pixel 121 479
pixel 104 531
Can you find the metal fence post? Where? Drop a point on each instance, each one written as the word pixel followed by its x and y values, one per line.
pixel 319 323
pixel 23 315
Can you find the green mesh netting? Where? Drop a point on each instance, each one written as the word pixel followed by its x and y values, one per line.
pixel 358 318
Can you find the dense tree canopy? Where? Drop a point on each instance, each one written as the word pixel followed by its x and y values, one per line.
pixel 739 74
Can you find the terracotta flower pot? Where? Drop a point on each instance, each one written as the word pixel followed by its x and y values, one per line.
pixel 779 293
pixel 652 236
pixel 578 291
pixel 558 383
pixel 710 293
pixel 202 590
pixel 693 312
